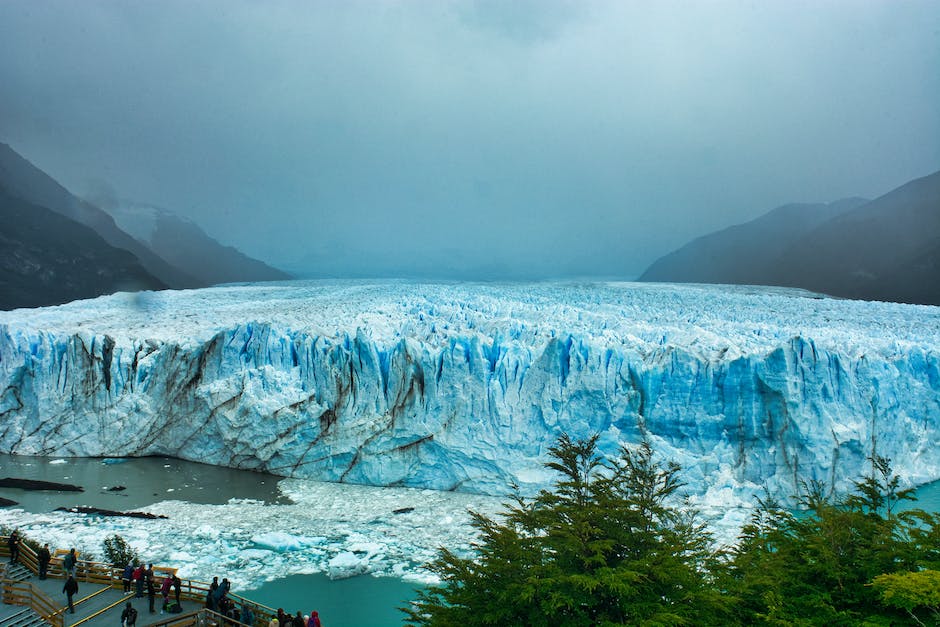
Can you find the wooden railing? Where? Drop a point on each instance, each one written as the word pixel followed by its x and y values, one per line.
pixel 202 618
pixel 107 575
pixel 26 594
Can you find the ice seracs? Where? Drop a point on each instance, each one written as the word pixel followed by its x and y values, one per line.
pixel 465 386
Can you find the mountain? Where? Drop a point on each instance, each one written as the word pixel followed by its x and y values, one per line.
pixel 465 386
pixel 181 240
pixel 47 259
pixel 24 180
pixel 886 249
pixel 745 254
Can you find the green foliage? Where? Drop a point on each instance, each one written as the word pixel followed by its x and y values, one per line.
pixel 118 552
pixel 817 569
pixel 603 548
pixel 607 547
pixel 910 592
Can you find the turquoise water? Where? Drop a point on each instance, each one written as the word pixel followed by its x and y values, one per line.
pixel 372 601
pixel 928 498
pixel 357 602
pixel 361 601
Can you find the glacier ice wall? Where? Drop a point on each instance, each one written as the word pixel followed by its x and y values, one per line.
pixel 464 387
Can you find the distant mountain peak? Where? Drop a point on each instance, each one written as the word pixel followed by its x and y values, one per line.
pixel 883 249
pixel 181 239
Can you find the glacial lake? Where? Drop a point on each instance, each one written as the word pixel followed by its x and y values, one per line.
pixel 360 601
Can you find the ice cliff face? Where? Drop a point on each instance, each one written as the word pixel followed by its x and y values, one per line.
pixel 466 386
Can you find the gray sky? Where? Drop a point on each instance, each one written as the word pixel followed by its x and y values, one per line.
pixel 483 138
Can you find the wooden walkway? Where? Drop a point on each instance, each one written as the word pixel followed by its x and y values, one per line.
pixel 96 605
pixel 100 598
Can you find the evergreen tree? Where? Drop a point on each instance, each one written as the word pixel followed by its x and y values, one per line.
pixel 817 568
pixel 606 547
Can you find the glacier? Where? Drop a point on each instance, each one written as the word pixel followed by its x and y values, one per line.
pixel 457 386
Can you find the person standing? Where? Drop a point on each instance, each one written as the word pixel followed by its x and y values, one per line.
pixel 211 595
pixel 126 577
pixel 70 588
pixel 314 620
pixel 151 588
pixel 69 563
pixel 43 557
pixel 138 577
pixel 13 542
pixel 129 616
pixel 177 584
pixel 247 617
pixel 165 592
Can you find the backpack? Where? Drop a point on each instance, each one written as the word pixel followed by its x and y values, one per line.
pixel 174 608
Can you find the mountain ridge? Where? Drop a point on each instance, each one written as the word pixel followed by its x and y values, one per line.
pixel 885 249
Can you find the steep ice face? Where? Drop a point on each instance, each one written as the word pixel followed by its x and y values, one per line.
pixel 458 386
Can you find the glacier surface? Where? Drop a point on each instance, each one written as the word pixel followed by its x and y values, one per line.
pixel 466 386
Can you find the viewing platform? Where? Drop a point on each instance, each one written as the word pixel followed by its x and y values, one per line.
pixel 27 601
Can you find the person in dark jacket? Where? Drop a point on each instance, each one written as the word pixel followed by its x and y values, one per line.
pixel 177 584
pixel 126 577
pixel 70 588
pixel 151 589
pixel 13 542
pixel 247 616
pixel 70 562
pixel 298 620
pixel 43 557
pixel 212 596
pixel 129 616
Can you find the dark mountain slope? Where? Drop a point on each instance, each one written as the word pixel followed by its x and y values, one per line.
pixel 24 180
pixel 745 253
pixel 189 246
pixel 48 259
pixel 884 250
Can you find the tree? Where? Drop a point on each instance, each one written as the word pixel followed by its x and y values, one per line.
pixel 118 552
pixel 911 591
pixel 606 547
pixel 817 568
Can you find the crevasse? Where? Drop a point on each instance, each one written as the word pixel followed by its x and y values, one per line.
pixel 465 387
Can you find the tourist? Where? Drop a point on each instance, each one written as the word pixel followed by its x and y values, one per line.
pixel 247 616
pixel 282 619
pixel 224 587
pixel 70 588
pixel 211 595
pixel 151 588
pixel 14 543
pixel 298 620
pixel 314 620
pixel 177 584
pixel 138 577
pixel 70 562
pixel 129 616
pixel 274 622
pixel 127 576
pixel 165 592
pixel 43 557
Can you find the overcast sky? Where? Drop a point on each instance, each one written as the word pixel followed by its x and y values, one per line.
pixel 475 138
